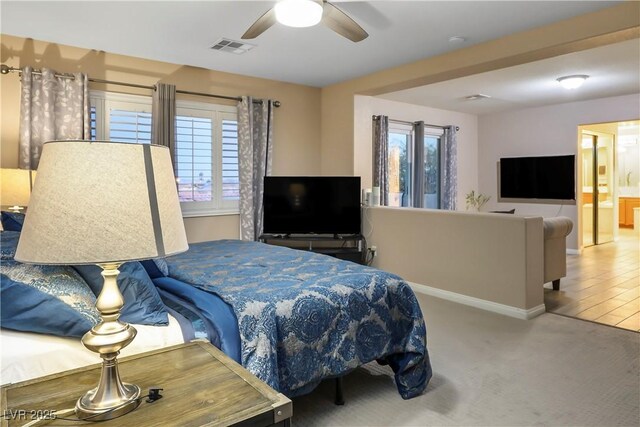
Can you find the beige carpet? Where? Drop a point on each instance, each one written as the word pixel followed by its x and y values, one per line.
pixel 493 370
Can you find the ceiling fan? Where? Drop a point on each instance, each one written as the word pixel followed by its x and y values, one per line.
pixel 306 13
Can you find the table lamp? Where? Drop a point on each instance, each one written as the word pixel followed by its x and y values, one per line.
pixel 16 188
pixel 104 203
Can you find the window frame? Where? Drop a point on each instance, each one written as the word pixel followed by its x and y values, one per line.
pixel 405 129
pixel 103 102
pixel 437 133
pixel 408 129
pixel 217 206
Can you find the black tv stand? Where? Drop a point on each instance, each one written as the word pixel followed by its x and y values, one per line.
pixel 351 246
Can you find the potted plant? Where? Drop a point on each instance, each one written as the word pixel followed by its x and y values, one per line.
pixel 474 201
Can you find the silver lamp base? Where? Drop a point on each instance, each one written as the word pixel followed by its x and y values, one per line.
pixel 111 398
pixel 86 411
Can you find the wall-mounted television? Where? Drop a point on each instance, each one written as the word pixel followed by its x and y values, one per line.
pixel 312 205
pixel 545 178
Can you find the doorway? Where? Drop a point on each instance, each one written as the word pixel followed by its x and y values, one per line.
pixel 609 182
pixel 603 282
pixel 598 188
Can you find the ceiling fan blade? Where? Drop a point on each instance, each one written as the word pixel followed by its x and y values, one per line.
pixel 342 24
pixel 261 25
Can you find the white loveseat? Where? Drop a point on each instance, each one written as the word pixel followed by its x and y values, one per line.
pixel 488 260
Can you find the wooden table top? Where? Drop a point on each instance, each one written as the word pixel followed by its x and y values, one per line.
pixel 201 387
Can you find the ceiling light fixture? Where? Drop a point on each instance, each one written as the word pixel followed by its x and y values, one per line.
pixel 298 13
pixel 457 39
pixel 477 97
pixel 572 82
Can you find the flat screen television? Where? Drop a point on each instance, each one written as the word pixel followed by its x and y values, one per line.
pixel 544 178
pixel 312 204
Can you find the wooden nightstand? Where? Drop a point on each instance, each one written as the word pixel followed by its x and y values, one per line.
pixel 202 387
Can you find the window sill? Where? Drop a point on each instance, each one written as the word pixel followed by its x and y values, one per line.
pixel 220 212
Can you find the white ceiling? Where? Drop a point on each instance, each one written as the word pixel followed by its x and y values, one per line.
pixel 613 70
pixel 182 32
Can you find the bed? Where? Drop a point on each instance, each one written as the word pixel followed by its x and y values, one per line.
pixel 303 317
pixel 28 355
pixel 293 318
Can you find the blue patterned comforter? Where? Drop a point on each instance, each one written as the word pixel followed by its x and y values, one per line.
pixel 304 317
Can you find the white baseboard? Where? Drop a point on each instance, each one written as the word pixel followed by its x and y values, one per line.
pixel 507 310
pixel 574 251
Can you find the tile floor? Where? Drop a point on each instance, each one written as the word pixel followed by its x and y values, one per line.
pixel 602 284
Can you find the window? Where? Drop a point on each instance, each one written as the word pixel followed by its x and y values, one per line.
pixel 400 150
pixel 129 126
pixel 403 161
pixel 230 174
pixel 431 166
pixel 194 151
pixel 206 160
pixel 206 154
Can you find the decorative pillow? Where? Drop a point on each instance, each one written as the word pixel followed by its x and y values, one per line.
pixel 12 221
pixel 46 299
pixel 156 267
pixel 142 303
pixel 8 244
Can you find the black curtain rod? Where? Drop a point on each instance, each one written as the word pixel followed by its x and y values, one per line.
pixel 377 117
pixel 5 69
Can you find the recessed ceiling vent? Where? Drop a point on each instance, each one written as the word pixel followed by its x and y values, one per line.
pixel 232 46
pixel 476 97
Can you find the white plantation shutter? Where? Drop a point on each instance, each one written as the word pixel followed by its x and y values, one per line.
pixel 230 177
pixel 207 158
pixel 206 155
pixel 194 152
pixel 93 122
pixel 129 126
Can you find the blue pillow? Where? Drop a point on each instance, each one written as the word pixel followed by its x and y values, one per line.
pixel 47 299
pixel 12 221
pixel 8 244
pixel 156 267
pixel 142 303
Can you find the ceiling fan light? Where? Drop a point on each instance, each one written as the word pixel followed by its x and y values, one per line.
pixel 572 82
pixel 298 13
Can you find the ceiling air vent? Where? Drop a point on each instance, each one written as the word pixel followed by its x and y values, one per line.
pixel 232 46
pixel 476 97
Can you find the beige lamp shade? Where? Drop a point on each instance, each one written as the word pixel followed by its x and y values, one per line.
pixel 15 186
pixel 99 201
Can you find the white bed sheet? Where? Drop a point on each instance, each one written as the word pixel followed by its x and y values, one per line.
pixel 27 355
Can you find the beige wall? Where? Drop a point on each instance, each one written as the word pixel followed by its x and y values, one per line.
pixel 341 150
pixel 402 236
pixel 297 121
pixel 314 130
pixel 206 228
pixel 549 130
pixel 491 257
pixel 467 137
pixel 607 26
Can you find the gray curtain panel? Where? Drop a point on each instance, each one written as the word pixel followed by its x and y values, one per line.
pixel 163 117
pixel 449 166
pixel 255 148
pixel 381 157
pixel 51 108
pixel 417 191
